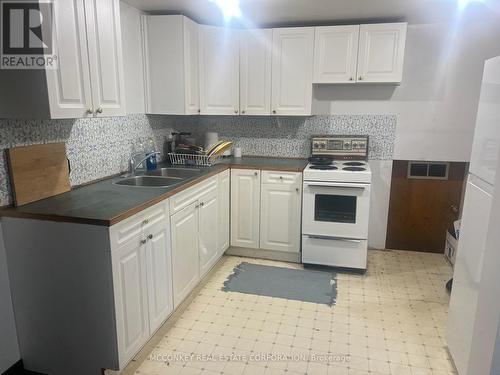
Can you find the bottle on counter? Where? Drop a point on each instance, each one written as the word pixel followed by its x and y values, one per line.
pixel 151 162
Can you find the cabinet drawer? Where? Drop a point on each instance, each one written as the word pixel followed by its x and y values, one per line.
pixel 133 226
pixel 188 196
pixel 276 177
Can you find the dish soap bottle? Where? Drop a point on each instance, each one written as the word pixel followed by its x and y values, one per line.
pixel 151 162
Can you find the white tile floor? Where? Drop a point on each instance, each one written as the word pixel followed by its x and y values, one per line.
pixel 391 320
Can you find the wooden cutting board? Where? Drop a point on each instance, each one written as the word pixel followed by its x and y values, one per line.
pixel 38 172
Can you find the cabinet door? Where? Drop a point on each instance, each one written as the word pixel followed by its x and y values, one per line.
pixel 191 88
pixel 219 71
pixel 185 262
pixel 159 274
pixel 381 52
pixel 68 86
pixel 245 207
pixel 131 298
pixel 280 217
pixel 105 57
pixel 209 213
pixel 335 54
pixel 255 71
pixel 224 223
pixel 292 70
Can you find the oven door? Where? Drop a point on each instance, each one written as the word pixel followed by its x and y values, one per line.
pixel 336 209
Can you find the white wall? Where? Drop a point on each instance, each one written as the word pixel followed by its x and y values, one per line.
pixel 436 103
pixel 9 349
pixel 132 58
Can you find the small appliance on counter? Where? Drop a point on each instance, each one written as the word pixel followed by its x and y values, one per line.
pixel 336 202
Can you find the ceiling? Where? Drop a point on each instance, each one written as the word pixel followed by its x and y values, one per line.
pixel 303 12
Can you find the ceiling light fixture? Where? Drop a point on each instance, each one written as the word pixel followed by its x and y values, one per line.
pixel 229 8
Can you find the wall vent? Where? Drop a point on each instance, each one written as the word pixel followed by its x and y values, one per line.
pixel 428 170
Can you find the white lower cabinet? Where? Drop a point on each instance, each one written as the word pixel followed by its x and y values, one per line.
pixel 280 217
pixel 224 211
pixel 208 227
pixel 131 298
pixel 266 209
pixel 185 262
pixel 245 207
pixel 141 262
pixel 159 274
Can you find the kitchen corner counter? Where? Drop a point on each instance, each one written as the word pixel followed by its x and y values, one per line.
pixel 104 203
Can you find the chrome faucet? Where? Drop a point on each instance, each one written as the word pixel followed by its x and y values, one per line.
pixel 133 165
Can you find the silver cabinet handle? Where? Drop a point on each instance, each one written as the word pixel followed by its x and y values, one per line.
pixel 297 190
pixel 99 110
pixel 142 242
pixel 150 236
pixel 236 111
pixel 360 78
pixel 274 111
pixel 351 79
pixel 202 204
pixel 318 237
pixel 256 173
pixel 243 112
pixel 90 110
pixel 281 178
pixel 145 221
pixel 197 206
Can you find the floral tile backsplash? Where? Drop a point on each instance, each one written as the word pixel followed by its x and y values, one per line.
pixel 99 148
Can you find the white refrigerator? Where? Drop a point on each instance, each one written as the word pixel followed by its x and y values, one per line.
pixel 474 311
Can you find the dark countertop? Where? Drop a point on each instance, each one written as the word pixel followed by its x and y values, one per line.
pixel 104 203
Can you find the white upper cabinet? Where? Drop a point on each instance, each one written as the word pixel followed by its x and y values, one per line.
pixel 292 70
pixel 171 59
pixel 381 52
pixel 219 71
pixel 105 57
pixel 68 86
pixel 255 71
pixel 335 54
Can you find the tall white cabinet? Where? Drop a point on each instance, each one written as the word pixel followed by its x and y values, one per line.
pixel 105 56
pixel 219 71
pixel 88 80
pixel 255 71
pixel 171 65
pixel 292 70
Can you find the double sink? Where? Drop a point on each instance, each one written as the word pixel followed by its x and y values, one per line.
pixel 163 177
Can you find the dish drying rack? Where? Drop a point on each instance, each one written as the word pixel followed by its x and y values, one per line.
pixel 193 159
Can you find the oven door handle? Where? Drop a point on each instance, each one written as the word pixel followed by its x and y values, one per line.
pixel 340 185
pixel 318 237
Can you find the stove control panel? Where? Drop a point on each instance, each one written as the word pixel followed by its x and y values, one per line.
pixel 341 146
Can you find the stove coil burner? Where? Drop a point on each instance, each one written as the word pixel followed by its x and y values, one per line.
pixel 320 160
pixel 323 167
pixel 354 163
pixel 354 169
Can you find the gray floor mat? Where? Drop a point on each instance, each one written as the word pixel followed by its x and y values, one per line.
pixel 296 284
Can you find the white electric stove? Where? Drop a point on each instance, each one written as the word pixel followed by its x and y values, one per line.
pixel 336 202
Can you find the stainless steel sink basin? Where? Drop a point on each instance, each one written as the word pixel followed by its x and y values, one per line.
pixel 175 172
pixel 149 181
